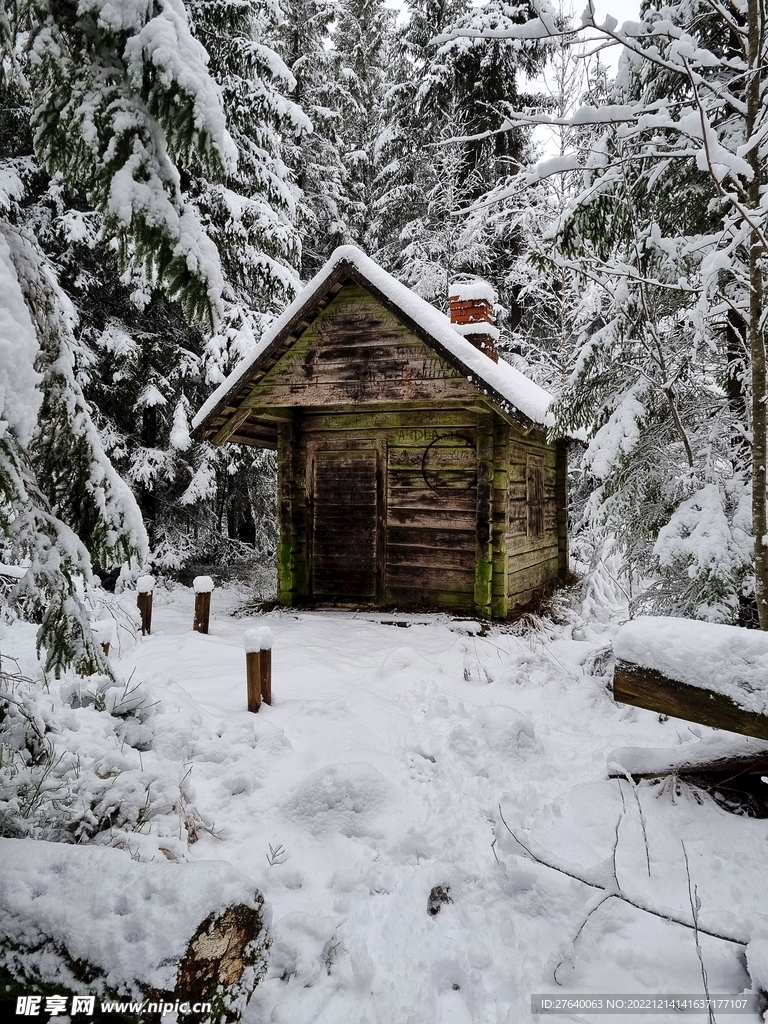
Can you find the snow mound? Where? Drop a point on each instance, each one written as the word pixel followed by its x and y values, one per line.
pixel 726 659
pixel 260 639
pixel 341 798
pixel 497 734
pixel 202 584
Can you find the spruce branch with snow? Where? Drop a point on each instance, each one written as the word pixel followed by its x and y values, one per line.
pixel 122 103
pixel 671 225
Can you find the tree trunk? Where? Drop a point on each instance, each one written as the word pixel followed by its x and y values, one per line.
pixel 756 339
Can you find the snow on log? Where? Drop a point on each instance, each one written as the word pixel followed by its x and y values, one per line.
pixel 145 584
pixel 202 584
pixel 713 674
pixel 90 920
pixel 713 753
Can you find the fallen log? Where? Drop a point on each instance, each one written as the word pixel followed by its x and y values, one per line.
pixel 698 671
pixel 649 689
pixel 90 921
pixel 730 755
pixel 730 769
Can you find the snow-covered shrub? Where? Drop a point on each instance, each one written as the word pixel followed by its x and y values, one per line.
pixel 71 767
pixel 703 556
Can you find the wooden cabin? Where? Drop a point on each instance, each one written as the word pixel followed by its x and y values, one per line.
pixel 414 469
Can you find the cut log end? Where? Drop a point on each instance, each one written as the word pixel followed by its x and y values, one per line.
pixel 225 960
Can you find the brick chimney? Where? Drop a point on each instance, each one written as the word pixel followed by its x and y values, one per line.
pixel 471 311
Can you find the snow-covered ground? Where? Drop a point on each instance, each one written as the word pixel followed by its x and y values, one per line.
pixel 393 747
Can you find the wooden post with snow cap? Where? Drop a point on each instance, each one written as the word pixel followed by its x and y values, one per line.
pixel 203 586
pixel 104 630
pixel 145 586
pixel 258 666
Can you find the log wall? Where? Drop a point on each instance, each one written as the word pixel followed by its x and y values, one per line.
pixel 534 554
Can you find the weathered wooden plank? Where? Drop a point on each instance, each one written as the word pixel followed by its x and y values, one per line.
pixel 438 536
pixel 230 426
pixel 561 503
pixel 431 578
pixel 431 557
pixel 418 496
pixel 381 519
pixel 360 392
pixel 434 458
pixel 483 538
pixel 536 556
pixel 416 597
pixel 439 517
pixel 409 418
pixel 646 688
pixel 255 442
pixel 285 547
pixel 532 577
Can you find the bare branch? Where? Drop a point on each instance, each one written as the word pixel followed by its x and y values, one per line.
pixel 631 900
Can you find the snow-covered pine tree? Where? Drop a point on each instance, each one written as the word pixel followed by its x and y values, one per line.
pixel 251 214
pixel 444 240
pixel 61 501
pixel 314 151
pixel 363 40
pixel 672 226
pixel 119 100
pixel 405 147
pixel 469 84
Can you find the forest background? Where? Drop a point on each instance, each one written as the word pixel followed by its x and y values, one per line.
pixel 171 172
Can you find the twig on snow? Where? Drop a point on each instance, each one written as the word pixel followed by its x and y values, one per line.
pixel 631 900
pixel 693 897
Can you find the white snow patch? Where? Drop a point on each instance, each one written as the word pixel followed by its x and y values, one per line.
pixel 19 395
pixel 103 630
pixel 340 799
pixel 145 584
pixel 479 327
pixel 472 291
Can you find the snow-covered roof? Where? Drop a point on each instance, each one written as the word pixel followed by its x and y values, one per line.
pixel 506 386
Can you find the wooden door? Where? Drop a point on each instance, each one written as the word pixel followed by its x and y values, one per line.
pixel 344 525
